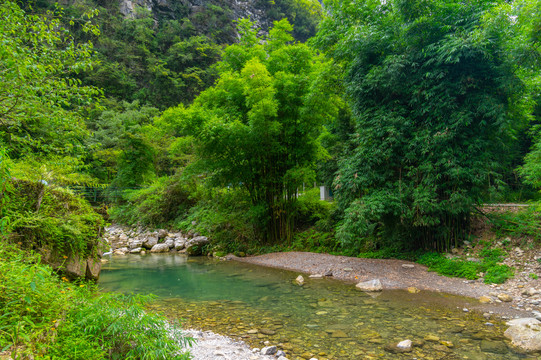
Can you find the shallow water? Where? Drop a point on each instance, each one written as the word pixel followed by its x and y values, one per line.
pixel 325 318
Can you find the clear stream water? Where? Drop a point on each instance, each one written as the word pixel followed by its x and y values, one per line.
pixel 325 318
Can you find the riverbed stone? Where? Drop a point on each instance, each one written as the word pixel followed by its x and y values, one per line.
pixel 179 244
pixel 505 297
pixel 194 246
pixel 269 350
pixel 159 248
pixel 485 300
pixel 494 347
pixel 401 347
pixel 121 251
pixel 432 338
pixel 136 250
pixel 266 331
pixel 405 344
pixel 169 242
pixel 370 285
pixel 413 290
pixel 150 241
pixel 525 333
pixel 299 280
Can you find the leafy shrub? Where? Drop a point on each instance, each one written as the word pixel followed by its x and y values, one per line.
pixel 494 272
pixel 165 201
pixel 315 241
pixel 43 216
pixel 523 223
pixel 310 209
pixel 497 274
pixel 49 318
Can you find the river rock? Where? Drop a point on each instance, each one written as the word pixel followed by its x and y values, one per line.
pixel 328 273
pixel 408 266
pixel 269 350
pixel 179 244
pixel 162 233
pixel 169 242
pixel 401 347
pixel 121 251
pixel 413 290
pixel 159 248
pixel 150 241
pixel 194 246
pixel 370 285
pixel 280 353
pixel 93 268
pixel 495 347
pixel 316 276
pixel 505 297
pixel 405 345
pixel 525 334
pixel 135 243
pixel 485 300
pixel 299 280
pixel 136 250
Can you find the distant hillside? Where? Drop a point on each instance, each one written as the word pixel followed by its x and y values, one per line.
pixel 160 52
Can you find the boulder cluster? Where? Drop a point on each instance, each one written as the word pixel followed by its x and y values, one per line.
pixel 123 241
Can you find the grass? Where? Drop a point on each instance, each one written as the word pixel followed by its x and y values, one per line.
pixel 47 317
pixel 494 271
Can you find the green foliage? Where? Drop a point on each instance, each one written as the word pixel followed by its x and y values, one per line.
pixel 521 224
pixel 226 216
pixel 443 266
pixel 432 98
pixel 41 98
pixel 494 273
pixel 258 127
pixel 309 209
pixel 162 204
pixel 5 190
pixel 44 317
pixel 314 241
pixel 166 57
pixel 43 216
pixel 120 324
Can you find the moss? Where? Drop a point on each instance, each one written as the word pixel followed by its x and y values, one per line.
pixel 43 216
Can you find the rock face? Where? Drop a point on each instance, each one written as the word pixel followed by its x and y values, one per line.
pixel 370 286
pixel 525 334
pixel 73 267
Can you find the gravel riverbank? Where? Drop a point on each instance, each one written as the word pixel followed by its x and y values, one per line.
pixel 211 346
pixel 399 274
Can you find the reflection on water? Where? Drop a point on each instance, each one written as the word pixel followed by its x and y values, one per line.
pixel 325 318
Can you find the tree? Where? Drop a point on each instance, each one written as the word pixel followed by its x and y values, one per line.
pixel 431 95
pixel 41 99
pixel 258 127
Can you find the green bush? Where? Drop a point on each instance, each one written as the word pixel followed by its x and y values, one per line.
pixel 45 216
pixel 161 204
pixel 494 272
pixel 521 224
pixel 310 209
pixel 49 318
